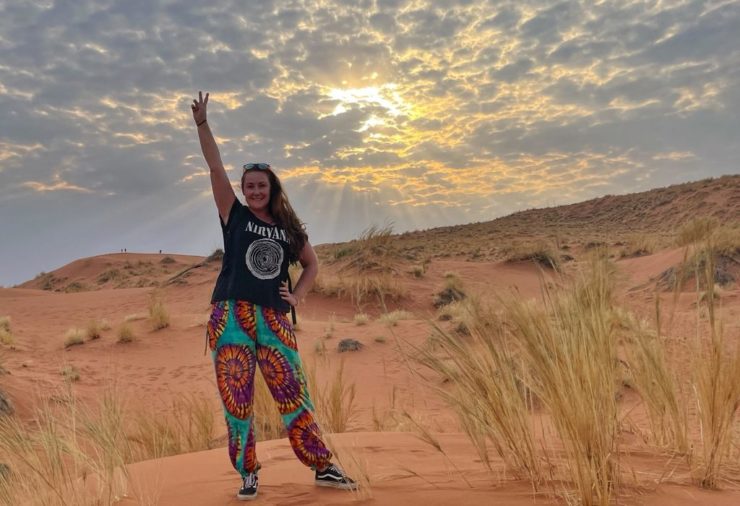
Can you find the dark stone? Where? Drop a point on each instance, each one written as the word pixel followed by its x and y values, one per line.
pixel 447 296
pixel 6 407
pixel 349 345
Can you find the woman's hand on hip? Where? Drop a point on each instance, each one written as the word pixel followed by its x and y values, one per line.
pixel 199 108
pixel 286 295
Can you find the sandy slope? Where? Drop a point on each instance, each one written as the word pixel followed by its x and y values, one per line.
pixel 403 469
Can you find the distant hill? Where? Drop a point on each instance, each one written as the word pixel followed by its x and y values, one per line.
pixel 632 222
pixel 115 270
pixel 652 215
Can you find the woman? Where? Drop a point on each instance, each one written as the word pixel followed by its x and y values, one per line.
pixel 249 326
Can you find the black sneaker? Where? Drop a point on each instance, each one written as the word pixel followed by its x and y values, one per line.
pixel 249 488
pixel 333 477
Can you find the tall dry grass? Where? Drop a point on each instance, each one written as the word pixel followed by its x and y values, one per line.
pixel 660 388
pixel 75 455
pixel 158 314
pixel 94 329
pixel 696 230
pixel 369 267
pixel 541 252
pixel 69 455
pixel 354 464
pixel 716 378
pixel 125 333
pixel 74 337
pixel 486 393
pixel 569 348
pixel 187 425
pixel 392 318
pixel 6 335
pixel 334 401
pixel 638 244
pixel 560 352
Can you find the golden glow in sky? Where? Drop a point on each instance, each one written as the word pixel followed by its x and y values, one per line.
pixel 418 111
pixel 384 96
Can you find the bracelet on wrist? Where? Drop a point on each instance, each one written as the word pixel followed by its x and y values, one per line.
pixel 202 122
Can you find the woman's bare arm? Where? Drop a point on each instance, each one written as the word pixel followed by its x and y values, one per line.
pixel 223 193
pixel 310 263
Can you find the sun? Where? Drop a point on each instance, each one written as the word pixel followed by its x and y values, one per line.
pixel 385 96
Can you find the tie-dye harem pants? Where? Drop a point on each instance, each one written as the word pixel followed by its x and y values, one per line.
pixel 242 336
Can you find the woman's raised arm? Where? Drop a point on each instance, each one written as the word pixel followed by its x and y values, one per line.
pixel 223 193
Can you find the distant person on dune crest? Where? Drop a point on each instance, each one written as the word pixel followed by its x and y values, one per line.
pixel 249 324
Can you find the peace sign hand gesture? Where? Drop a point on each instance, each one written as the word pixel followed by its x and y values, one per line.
pixel 199 108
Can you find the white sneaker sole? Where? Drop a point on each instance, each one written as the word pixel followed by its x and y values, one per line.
pixel 340 486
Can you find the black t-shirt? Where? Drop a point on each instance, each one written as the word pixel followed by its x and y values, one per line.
pixel 255 260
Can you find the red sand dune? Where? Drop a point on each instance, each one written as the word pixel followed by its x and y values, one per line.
pixel 403 469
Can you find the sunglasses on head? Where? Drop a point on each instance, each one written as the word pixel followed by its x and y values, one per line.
pixel 258 166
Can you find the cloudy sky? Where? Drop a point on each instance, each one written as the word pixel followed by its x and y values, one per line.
pixel 417 113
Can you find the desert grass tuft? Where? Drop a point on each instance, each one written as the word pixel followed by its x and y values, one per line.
pixel 638 245
pixel 94 330
pixel 392 318
pixel 485 394
pixel 696 230
pixel 717 385
pixel 361 319
pixel 66 456
pixel 462 314
pixel 125 333
pixel 354 464
pixel 369 266
pixel 542 253
pixel 659 387
pixel 187 426
pixel 6 335
pixel 452 291
pixel 73 337
pixel 569 348
pixel 560 353
pixel 70 373
pixel 158 313
pixel 335 402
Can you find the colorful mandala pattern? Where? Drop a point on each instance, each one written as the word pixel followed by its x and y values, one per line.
pixel 279 325
pixel 246 317
pixel 278 373
pixel 235 367
pixel 305 438
pixel 217 322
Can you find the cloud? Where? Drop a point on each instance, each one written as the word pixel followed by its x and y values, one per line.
pixel 423 113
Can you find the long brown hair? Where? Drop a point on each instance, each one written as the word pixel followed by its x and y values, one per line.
pixel 283 214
